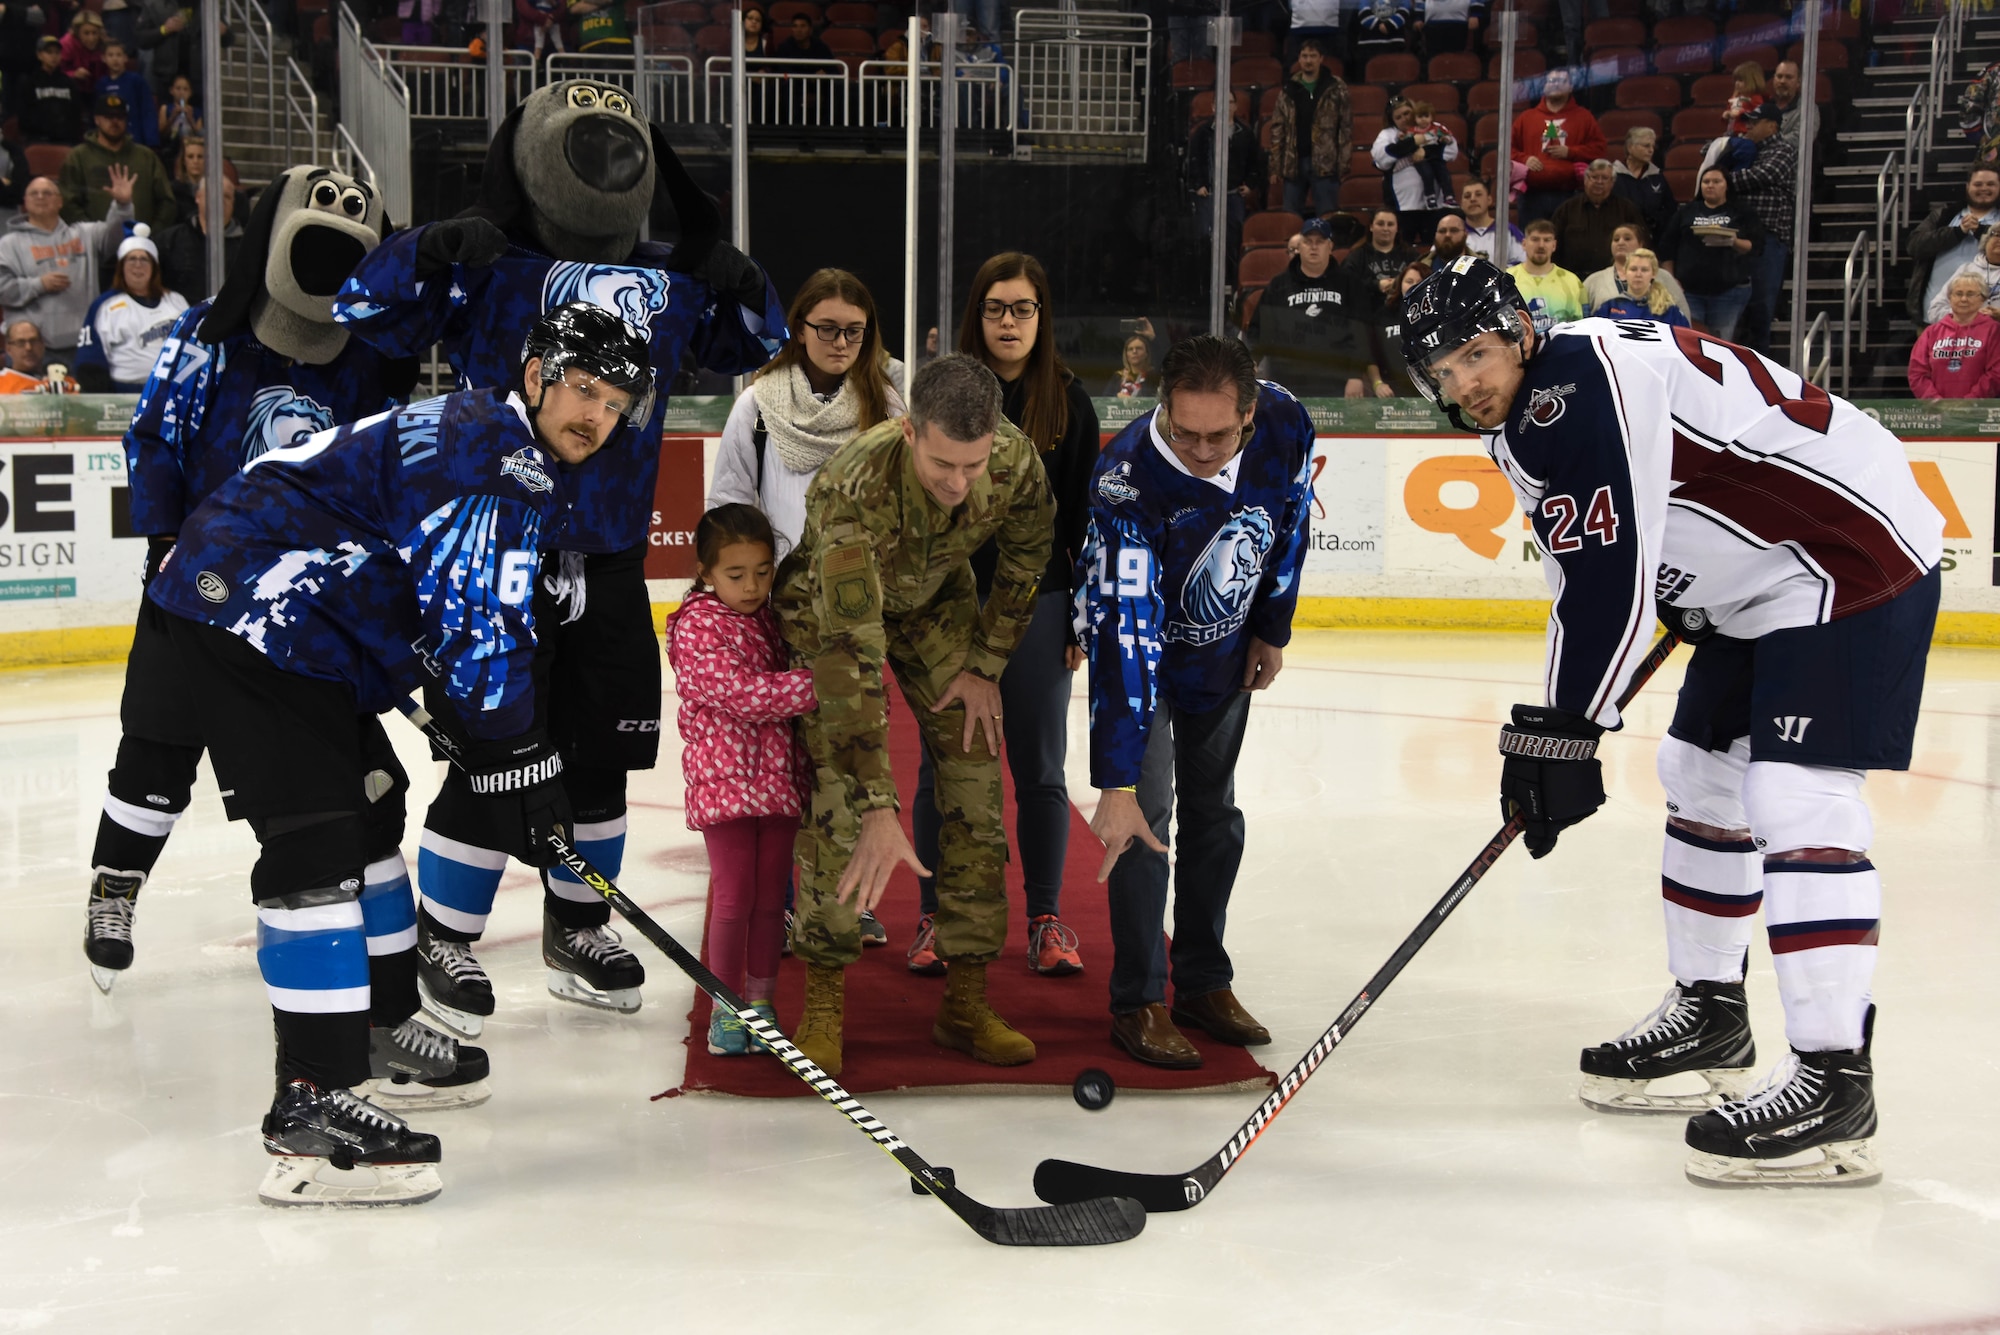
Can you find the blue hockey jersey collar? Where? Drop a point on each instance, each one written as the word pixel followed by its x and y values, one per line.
pixel 1225 481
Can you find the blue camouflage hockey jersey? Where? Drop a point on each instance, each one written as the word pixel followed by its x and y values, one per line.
pixel 1177 570
pixel 395 550
pixel 483 315
pixel 209 409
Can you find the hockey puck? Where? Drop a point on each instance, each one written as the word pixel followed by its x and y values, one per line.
pixel 1093 1090
pixel 944 1175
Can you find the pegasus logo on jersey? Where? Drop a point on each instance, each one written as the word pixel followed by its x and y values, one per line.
pixel 636 294
pixel 279 417
pixel 1791 727
pixel 1217 594
pixel 1545 406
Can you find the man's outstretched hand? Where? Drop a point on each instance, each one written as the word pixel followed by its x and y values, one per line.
pixel 877 853
pixel 1117 823
pixel 981 699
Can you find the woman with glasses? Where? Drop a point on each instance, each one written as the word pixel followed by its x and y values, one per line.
pixel 1007 326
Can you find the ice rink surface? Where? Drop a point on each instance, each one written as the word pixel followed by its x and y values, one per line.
pixel 1438 1174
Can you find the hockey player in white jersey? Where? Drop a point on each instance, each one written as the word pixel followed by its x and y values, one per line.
pixel 1665 470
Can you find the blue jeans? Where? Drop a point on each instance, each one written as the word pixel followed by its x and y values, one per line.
pixel 1768 272
pixel 1719 313
pixel 1190 762
pixel 1324 191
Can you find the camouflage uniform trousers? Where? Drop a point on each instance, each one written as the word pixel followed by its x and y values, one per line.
pixel 925 649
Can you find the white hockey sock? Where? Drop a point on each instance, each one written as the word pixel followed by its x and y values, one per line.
pixel 1824 919
pixel 1711 889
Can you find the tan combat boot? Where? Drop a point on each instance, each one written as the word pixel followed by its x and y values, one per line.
pixel 965 1023
pixel 818 1034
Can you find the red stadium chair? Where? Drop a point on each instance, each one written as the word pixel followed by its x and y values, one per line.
pixel 849 42
pixel 1530 35
pixel 1363 192
pixel 1267 103
pixel 1459 131
pixel 1756 27
pixel 1610 64
pixel 1366 128
pixel 1486 134
pixel 1258 267
pixel 888 37
pixel 1833 53
pixel 1254 44
pixel 1617 124
pixel 690 13
pixel 1684 182
pixel 1397 67
pixel 1361 163
pixel 1455 67
pixel 1264 140
pixel 784 11
pixel 1686 58
pixel 1364 99
pixel 1682 29
pixel 1612 32
pixel 1191 73
pixel 1443 97
pixel 1622 9
pixel 850 15
pixel 1527 64
pixel 1712 90
pixel 1823 89
pixel 1699 123
pixel 1272 228
pixel 1683 156
pixel 1652 92
pixel 1256 72
pixel 1760 53
pixel 1251 300
pixel 47 159
pixel 712 40
pixel 670 37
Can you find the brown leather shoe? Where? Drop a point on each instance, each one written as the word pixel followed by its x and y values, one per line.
pixel 1219 1015
pixel 1150 1036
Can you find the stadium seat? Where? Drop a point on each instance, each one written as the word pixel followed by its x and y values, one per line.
pixel 1455 67
pixel 1267 103
pixel 1683 181
pixel 1194 74
pixel 785 11
pixel 1696 123
pixel 1755 27
pixel 851 15
pixel 1482 98
pixel 1254 44
pixel 1528 64
pixel 1684 155
pixel 1653 92
pixel 1460 131
pixel 1617 124
pixel 1264 129
pixel 1623 9
pixel 1760 53
pixel 1682 29
pixel 1258 267
pixel 1711 90
pixel 712 40
pixel 671 37
pixel 686 12
pixel 1256 72
pixel 1600 33
pixel 1530 35
pixel 1364 99
pixel 1833 53
pixel 1251 299
pixel 1686 58
pixel 1270 228
pixel 1486 133
pixel 1611 64
pixel 849 42
pixel 1443 97
pixel 1363 192
pixel 313 6
pixel 1823 87
pixel 1203 106
pixel 888 37
pixel 47 159
pixel 1397 67
pixel 1366 128
pixel 1361 163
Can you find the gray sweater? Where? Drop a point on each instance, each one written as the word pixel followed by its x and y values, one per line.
pixel 84 251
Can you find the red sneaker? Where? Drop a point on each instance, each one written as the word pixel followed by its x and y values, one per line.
pixel 1052 947
pixel 923 950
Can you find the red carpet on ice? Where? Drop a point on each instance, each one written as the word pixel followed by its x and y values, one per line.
pixel 889 1009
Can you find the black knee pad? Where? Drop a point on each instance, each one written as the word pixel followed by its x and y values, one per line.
pixel 157 776
pixel 595 794
pixel 321 854
pixel 386 785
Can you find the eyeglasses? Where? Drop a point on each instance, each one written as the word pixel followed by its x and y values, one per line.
pixel 833 333
pixel 34 342
pixel 1215 440
pixel 1023 310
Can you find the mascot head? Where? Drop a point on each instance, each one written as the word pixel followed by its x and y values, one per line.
pixel 310 228
pixel 577 173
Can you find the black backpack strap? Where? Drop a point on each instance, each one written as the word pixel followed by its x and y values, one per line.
pixel 759 438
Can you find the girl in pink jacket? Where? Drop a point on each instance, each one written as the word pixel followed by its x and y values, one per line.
pixel 744 765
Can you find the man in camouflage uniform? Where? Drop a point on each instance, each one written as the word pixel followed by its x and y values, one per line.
pixel 881 574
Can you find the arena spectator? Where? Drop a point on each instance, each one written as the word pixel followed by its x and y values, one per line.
pixel 1639 181
pixel 85 179
pixel 1449 25
pixel 1370 270
pixel 46 102
pixel 1554 294
pixel 1769 186
pixel 180 118
pixel 1584 222
pixel 1246 177
pixel 18 38
pixel 1448 240
pixel 184 246
pixel 130 84
pixel 83 52
pixel 803 44
pixel 757 39
pixel 124 328
pixel 1784 95
pixel 1948 237
pixel 13 175
pixel 1413 150
pixel 1609 281
pixel 1979 114
pixel 1135 377
pixel 1983 269
pixel 27 361
pixel 190 169
pixel 1388 373
pixel 1312 133
pixel 600 27
pixel 1323 21
pixel 538 25
pixel 1708 247
pixel 1643 298
pixel 171 30
pixel 1573 22
pixel 1958 356
pixel 1381 27
pixel 1552 139
pixel 1053 409
pixel 49 268
pixel 1475 198
pixel 1746 95
pixel 1305 333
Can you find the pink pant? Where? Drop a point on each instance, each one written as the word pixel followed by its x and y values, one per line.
pixel 750 863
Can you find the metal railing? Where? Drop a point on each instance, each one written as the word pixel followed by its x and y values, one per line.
pixel 1817 333
pixel 781 92
pixel 980 92
pixel 1853 300
pixel 375 102
pixel 253 58
pixel 349 160
pixel 661 83
pixel 1892 204
pixel 1083 81
pixel 447 84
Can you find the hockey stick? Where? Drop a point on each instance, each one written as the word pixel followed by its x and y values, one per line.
pixel 1059 1180
pixel 1080 1223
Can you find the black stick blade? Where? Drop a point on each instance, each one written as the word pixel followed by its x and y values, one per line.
pixel 1085 1223
pixel 1060 1182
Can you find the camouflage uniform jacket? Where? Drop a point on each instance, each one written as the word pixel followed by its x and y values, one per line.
pixel 877 550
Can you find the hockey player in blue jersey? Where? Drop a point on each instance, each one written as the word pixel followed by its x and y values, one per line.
pixel 571 180
pixel 1190 571
pixel 1665 468
pixel 313 591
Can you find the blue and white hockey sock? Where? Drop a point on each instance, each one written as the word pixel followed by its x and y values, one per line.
pixel 389 919
pixel 602 844
pixel 1711 888
pixel 1824 919
pixel 314 960
pixel 458 881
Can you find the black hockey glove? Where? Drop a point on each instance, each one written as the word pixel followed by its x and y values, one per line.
pixel 731 273
pixel 1550 774
pixel 157 547
pixel 472 241
pixel 521 781
pixel 1690 623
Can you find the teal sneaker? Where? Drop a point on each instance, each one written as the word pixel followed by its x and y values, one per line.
pixel 726 1035
pixel 769 1012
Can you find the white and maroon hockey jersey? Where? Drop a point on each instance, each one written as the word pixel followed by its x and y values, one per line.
pixel 1663 464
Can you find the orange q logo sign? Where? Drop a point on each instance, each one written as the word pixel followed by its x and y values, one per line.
pixel 1474 524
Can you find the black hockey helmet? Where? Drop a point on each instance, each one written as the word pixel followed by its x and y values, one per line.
pixel 1466 298
pixel 586 337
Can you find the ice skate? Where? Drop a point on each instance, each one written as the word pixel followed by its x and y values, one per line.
pixel 588 964
pixel 452 983
pixel 414 1068
pixel 330 1147
pixel 1702 1030
pixel 107 933
pixel 1806 1124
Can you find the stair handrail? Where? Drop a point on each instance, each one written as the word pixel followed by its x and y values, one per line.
pixel 1890 203
pixel 1816 331
pixel 248 18
pixel 1853 293
pixel 349 160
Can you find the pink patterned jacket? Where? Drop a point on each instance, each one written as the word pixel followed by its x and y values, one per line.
pixel 740 755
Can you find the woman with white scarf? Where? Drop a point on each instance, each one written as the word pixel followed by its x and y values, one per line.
pixel 833 381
